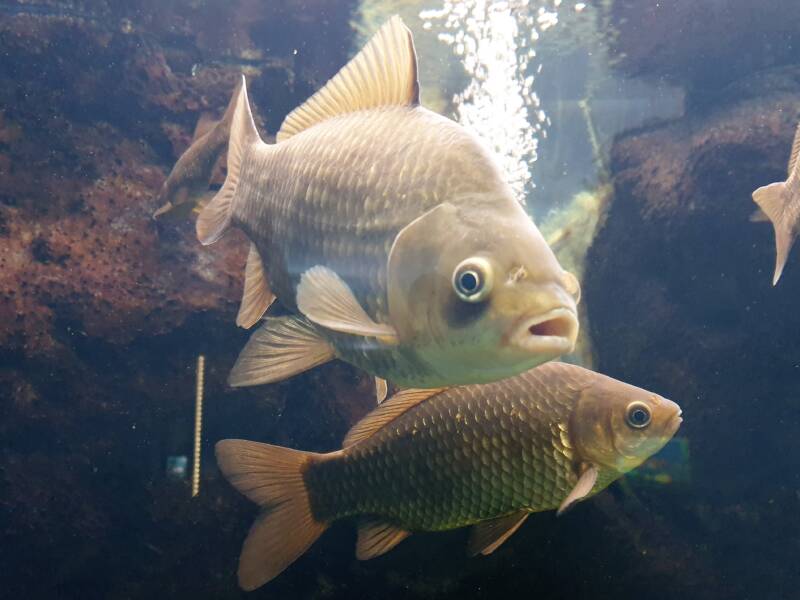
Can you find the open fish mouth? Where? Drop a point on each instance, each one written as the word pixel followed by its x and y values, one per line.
pixel 553 333
pixel 674 423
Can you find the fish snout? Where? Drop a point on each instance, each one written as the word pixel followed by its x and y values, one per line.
pixel 550 334
pixel 675 419
pixel 547 321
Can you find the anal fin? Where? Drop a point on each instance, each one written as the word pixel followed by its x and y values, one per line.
pixel 257 296
pixel 488 536
pixel 377 537
pixel 281 348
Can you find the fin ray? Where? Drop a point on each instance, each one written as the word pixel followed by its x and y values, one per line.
pixel 257 297
pixel 582 489
pixel 327 300
pixel 795 151
pixel 272 477
pixel 215 219
pixel 488 536
pixel 384 73
pixel 772 199
pixel 281 348
pixel 387 412
pixel 377 537
pixel 381 389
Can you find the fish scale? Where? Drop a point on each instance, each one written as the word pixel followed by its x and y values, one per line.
pixel 303 203
pixel 460 457
pixel 482 455
pixel 365 220
pixel 300 215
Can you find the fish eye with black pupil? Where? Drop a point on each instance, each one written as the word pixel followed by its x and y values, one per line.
pixel 472 279
pixel 638 415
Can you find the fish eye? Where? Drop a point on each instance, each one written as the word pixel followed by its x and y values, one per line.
pixel 472 279
pixel 638 415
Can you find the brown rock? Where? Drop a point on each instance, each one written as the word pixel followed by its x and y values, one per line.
pixel 702 44
pixel 678 287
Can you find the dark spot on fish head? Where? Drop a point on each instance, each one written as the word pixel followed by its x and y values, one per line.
pixel 459 314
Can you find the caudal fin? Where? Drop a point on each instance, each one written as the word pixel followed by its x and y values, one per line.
pixel 272 477
pixel 216 217
pixel 772 199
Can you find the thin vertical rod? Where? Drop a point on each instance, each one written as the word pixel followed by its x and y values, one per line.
pixel 198 424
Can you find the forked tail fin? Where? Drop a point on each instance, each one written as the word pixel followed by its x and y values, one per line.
pixel 271 476
pixel 772 199
pixel 216 217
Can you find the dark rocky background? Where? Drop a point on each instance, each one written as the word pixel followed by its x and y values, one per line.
pixel 103 312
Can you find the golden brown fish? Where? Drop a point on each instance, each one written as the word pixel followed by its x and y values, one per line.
pixel 390 233
pixel 429 460
pixel 780 202
pixel 188 181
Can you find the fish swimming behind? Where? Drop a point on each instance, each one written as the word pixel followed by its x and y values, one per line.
pixel 431 460
pixel 187 183
pixel 389 233
pixel 780 202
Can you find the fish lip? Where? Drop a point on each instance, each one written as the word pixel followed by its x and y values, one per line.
pixel 675 422
pixel 555 345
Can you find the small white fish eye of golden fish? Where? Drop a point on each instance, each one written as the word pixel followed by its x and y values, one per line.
pixel 780 204
pixel 559 434
pixel 391 235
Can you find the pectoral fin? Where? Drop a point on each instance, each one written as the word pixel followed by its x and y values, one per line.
pixel 257 296
pixel 488 536
pixel 377 537
pixel 381 389
pixel 327 300
pixel 582 489
pixel 282 347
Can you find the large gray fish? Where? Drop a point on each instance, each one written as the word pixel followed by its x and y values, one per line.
pixel 780 202
pixel 390 234
pixel 429 460
pixel 187 183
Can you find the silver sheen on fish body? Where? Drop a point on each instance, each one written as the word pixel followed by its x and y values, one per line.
pixel 390 234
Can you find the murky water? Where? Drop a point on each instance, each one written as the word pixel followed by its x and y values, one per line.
pixel 633 133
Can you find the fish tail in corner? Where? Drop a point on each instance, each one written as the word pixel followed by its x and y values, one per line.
pixel 772 199
pixel 271 476
pixel 215 219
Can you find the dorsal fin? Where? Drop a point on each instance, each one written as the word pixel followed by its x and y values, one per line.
pixel 384 73
pixel 387 412
pixel 795 150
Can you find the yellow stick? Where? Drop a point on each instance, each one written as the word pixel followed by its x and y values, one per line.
pixel 198 424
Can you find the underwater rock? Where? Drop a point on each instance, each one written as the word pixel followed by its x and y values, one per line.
pixel 680 40
pixel 678 285
pixel 104 310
